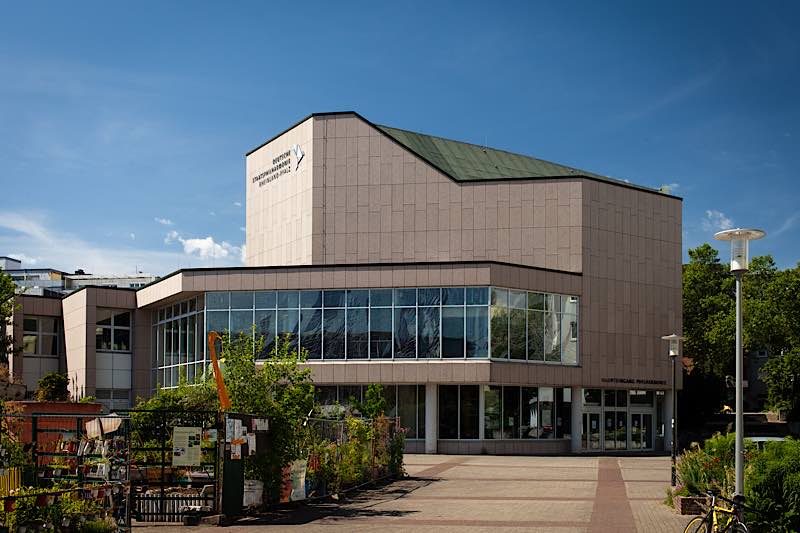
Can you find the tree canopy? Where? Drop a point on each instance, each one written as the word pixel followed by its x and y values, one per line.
pixel 771 306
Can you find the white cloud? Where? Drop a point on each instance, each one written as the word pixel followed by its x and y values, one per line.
pixel 237 204
pixel 669 187
pixel 206 247
pixel 716 221
pixel 213 213
pixel 164 221
pixel 242 228
pixel 132 236
pixel 25 259
pixel 36 238
pixel 788 224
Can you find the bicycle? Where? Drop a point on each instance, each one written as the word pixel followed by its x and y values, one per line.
pixel 719 519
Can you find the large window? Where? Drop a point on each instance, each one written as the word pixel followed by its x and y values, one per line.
pixel 424 323
pixel 401 323
pixel 179 351
pixel 113 331
pixel 404 401
pixel 41 343
pixel 40 336
pixel 459 412
pixel 512 412
pixel 534 326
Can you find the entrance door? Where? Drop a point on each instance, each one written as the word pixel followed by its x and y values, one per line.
pixel 641 431
pixel 591 431
pixel 615 425
pixel 621 432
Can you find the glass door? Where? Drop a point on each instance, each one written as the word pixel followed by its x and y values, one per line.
pixel 615 424
pixel 609 427
pixel 636 431
pixel 621 431
pixel 641 431
pixel 591 431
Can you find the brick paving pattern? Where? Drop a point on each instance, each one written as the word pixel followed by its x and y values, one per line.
pixel 488 493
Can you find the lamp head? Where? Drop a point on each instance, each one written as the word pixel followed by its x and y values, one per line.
pixel 674 344
pixel 739 239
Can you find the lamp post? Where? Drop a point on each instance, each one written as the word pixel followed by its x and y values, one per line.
pixel 740 239
pixel 674 351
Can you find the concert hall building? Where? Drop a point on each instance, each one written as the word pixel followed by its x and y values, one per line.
pixel 509 305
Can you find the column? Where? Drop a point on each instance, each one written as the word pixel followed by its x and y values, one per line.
pixel 431 417
pixel 668 421
pixel 577 419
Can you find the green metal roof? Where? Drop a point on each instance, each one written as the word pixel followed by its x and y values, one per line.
pixel 470 162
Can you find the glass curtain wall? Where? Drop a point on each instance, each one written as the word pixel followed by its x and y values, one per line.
pixel 179 339
pixel 423 323
pixel 534 326
pixel 404 401
pixel 512 412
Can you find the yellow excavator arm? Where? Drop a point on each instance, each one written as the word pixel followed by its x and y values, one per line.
pixel 222 391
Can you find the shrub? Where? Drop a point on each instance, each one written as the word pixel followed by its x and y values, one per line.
pixel 709 467
pixel 773 487
pixel 67 506
pixel 53 387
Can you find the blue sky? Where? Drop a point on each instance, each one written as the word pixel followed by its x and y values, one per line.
pixel 124 123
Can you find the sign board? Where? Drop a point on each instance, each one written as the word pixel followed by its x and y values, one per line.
pixel 186 446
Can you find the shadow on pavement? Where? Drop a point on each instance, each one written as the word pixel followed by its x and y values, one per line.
pixel 353 505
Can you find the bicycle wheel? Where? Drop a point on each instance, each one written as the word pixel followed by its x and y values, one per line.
pixel 698 524
pixel 740 528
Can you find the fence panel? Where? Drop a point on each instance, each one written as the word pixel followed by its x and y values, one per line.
pixel 11 480
pixel 172 473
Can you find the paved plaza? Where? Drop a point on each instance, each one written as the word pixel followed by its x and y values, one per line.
pixel 482 493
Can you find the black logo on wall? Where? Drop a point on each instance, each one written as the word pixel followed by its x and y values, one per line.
pixel 281 164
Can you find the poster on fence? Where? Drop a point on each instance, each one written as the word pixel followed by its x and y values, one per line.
pixel 294 482
pixel 186 446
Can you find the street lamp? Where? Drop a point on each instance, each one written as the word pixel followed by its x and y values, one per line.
pixel 674 352
pixel 740 239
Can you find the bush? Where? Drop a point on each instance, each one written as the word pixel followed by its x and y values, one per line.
pixel 772 487
pixel 709 467
pixel 66 507
pixel 53 387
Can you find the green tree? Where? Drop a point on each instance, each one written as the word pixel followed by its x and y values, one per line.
pixel 782 376
pixel 708 320
pixel 7 303
pixel 374 402
pixel 772 320
pixel 279 389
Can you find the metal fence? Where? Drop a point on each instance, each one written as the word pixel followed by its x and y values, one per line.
pixel 64 453
pixel 347 453
pixel 166 483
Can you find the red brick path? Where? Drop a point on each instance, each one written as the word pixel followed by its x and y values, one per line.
pixel 611 512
